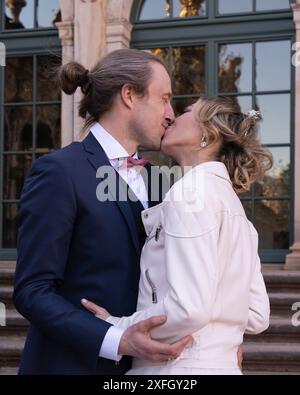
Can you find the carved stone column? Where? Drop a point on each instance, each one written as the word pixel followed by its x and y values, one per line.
pixel 118 28
pixel 118 34
pixel 66 35
pixel 293 259
pixel 90 42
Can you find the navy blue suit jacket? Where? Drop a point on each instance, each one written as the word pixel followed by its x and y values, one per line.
pixel 71 246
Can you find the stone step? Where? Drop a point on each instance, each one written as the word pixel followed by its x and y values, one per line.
pixel 276 351
pixel 280 330
pixel 273 277
pixel 6 292
pixel 271 357
pixel 11 348
pixel 15 323
pixel 7 271
pixel 282 280
pixel 282 302
pixel 8 371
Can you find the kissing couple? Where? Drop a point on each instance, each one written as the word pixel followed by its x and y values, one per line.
pixel 141 286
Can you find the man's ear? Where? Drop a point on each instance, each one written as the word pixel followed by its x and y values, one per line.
pixel 128 95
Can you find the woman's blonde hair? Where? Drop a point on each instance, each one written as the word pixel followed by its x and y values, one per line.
pixel 241 151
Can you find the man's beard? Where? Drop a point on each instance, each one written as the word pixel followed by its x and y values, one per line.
pixel 140 134
pixel 150 146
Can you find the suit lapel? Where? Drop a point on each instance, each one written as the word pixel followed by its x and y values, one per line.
pixel 97 158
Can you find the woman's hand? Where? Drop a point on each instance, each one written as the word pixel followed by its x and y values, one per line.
pixel 98 311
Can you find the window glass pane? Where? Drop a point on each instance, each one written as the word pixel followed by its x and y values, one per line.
pixel 272 223
pixel 244 102
pixel 273 61
pixel 18 129
pixel 277 181
pixel 16 168
pixel 155 9
pixel 276 117
pixel 262 5
pixel 48 127
pixel 179 105
pixel 10 212
pixel 47 12
pixel 247 204
pixel 188 8
pixel 235 68
pixel 162 53
pixel 234 6
pixel 19 14
pixel 189 70
pixel 18 79
pixel 245 195
pixel 46 88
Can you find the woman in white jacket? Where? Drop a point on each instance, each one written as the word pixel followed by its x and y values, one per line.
pixel 200 265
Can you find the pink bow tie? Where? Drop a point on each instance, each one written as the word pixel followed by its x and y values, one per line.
pixel 131 162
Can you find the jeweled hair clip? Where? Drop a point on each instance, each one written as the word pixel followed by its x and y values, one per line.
pixel 253 114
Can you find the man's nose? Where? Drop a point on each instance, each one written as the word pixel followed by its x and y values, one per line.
pixel 170 115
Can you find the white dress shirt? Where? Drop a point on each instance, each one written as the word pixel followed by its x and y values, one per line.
pixel 116 155
pixel 200 268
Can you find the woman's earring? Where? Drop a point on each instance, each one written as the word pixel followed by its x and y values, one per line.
pixel 203 142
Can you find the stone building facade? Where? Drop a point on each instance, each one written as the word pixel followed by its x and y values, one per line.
pixel 248 49
pixel 186 33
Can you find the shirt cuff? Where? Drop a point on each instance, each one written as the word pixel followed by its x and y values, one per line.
pixel 110 345
pixel 113 320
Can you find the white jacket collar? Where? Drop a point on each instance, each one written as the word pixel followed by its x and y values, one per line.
pixel 216 168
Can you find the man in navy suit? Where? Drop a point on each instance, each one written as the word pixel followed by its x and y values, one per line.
pixel 71 245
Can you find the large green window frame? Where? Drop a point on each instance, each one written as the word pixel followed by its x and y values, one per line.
pixel 205 36
pixel 29 105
